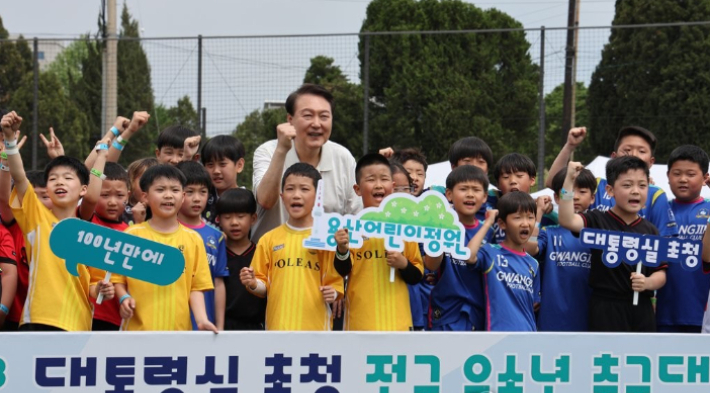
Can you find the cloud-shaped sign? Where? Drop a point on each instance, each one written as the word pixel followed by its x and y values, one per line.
pixel 430 212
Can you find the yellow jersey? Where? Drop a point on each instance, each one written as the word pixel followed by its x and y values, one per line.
pixel 54 296
pixel 372 301
pixel 167 307
pixel 293 276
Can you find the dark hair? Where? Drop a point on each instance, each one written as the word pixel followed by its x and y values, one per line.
pixel 195 174
pixel 236 200
pixel 174 136
pixel 690 153
pixel 396 168
pixel 636 131
pixel 470 146
pixel 620 165
pixel 514 162
pixel 114 171
pixel 514 202
pixel 304 170
pixel 585 179
pixel 466 173
pixel 37 179
pixel 308 89
pixel 404 155
pixel 139 166
pixel 72 163
pixel 369 160
pixel 222 146
pixel 165 171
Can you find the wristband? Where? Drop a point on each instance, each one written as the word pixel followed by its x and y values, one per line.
pixel 98 173
pixel 101 146
pixel 4 168
pixel 10 143
pixel 342 257
pixel 124 297
pixel 537 225
pixel 533 239
pixel 4 309
pixel 12 151
pixel 115 131
pixel 122 141
pixel 3 156
pixel 566 195
pixel 116 145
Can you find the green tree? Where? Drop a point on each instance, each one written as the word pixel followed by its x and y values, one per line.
pixel 654 77
pixel 70 124
pixel 183 114
pixel 553 122
pixel 347 97
pixel 134 87
pixel 257 128
pixel 432 89
pixel 15 62
pixel 67 65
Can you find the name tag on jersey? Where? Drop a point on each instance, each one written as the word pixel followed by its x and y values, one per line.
pixel 427 219
pixel 81 242
pixel 650 250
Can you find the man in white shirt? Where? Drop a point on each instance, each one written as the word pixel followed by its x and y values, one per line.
pixel 304 138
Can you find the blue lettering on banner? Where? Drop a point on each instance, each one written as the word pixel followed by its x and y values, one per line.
pixel 632 248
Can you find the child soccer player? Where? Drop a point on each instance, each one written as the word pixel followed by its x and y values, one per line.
pixel 474 151
pixel 55 293
pixel 402 181
pixel 300 283
pixel 135 208
pixel 631 141
pixel 176 144
pixel 373 302
pixel 611 306
pixel 113 197
pixel 414 161
pixel 36 179
pixel 155 307
pixel 566 263
pixel 190 215
pixel 511 277
pixel 514 172
pixel 223 157
pixel 236 212
pixel 680 303
pixel 457 300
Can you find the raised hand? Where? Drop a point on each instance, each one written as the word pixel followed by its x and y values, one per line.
pixel 53 145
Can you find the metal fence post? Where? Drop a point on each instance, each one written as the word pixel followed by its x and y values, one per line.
pixel 199 86
pixel 35 100
pixel 541 133
pixel 366 95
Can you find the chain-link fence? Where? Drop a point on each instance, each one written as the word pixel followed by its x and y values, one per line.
pixel 228 78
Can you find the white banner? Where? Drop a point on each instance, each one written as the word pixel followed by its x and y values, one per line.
pixel 198 362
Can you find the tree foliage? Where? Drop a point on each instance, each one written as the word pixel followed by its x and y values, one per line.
pixel 432 89
pixel 15 63
pixel 656 78
pixel 553 122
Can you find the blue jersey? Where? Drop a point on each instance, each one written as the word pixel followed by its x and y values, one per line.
pixel 682 300
pixel 511 280
pixel 657 210
pixel 217 258
pixel 458 293
pixel 564 275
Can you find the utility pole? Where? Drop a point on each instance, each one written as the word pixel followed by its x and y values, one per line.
pixel 110 72
pixel 568 104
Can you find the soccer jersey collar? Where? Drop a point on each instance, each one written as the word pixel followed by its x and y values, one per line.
pixel 693 202
pixel 621 220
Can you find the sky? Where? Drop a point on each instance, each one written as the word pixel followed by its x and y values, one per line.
pixel 239 75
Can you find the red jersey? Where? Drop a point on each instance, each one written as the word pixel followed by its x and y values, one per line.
pixel 108 310
pixel 23 272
